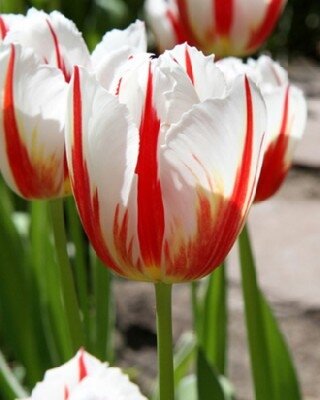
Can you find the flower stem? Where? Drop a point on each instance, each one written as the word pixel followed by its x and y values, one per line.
pixel 66 278
pixel 164 332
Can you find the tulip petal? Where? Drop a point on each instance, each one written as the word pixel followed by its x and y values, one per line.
pixel 32 121
pixel 134 38
pixel 164 23
pixel 61 43
pixel 287 113
pixel 208 169
pixel 102 152
pixel 6 22
pixel 206 77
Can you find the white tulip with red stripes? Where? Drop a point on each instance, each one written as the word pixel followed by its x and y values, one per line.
pixel 164 166
pixel 286 116
pixel 84 377
pixel 37 57
pixel 223 27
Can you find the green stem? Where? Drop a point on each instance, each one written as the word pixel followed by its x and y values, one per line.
pixel 81 278
pixel 195 308
pixel 67 282
pixel 164 332
pixel 104 318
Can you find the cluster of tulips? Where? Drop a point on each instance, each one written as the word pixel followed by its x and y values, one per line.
pixel 164 155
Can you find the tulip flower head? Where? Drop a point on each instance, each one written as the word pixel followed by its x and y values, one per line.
pixel 286 118
pixel 222 27
pixel 36 60
pixel 164 165
pixel 84 377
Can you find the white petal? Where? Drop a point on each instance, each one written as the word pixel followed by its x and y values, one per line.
pixel 67 377
pixel 203 154
pixel 7 21
pixel 272 73
pixel 109 384
pixel 38 111
pixel 157 17
pixel 133 38
pixel 207 79
pixel 109 151
pixel 296 118
pixel 53 37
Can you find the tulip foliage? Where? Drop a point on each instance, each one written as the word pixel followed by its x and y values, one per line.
pixel 162 158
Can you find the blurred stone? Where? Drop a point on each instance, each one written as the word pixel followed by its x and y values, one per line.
pixel 308 150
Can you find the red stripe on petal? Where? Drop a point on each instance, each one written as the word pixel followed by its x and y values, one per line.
pixel 66 393
pixel 87 204
pixel 3 28
pixel 223 13
pixel 34 179
pixel 267 25
pixel 149 197
pixel 59 58
pixel 82 366
pixel 177 27
pixel 189 68
pixel 274 167
pixel 240 191
pixel 185 23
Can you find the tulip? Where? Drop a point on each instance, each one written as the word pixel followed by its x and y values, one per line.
pixel 286 118
pixel 85 377
pixel 223 27
pixel 33 78
pixel 163 167
pixel 163 170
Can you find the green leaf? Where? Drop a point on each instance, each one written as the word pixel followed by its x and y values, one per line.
pixel 184 355
pixel 272 368
pixel 187 389
pixel 214 320
pixel 208 383
pixel 9 385
pixel 16 298
pixel 284 376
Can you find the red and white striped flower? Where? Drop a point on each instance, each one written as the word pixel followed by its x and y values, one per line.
pixel 164 169
pixel 286 118
pixel 223 27
pixel 36 60
pixel 84 377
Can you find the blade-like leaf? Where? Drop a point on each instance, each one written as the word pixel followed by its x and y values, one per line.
pixel 184 355
pixel 284 375
pixel 9 385
pixel 214 320
pixel 272 368
pixel 187 389
pixel 208 383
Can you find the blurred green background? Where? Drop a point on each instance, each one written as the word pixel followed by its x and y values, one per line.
pixel 298 32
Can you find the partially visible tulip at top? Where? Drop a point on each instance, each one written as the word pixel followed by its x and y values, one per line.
pixel 164 164
pixel 37 57
pixel 85 378
pixel 286 117
pixel 222 27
